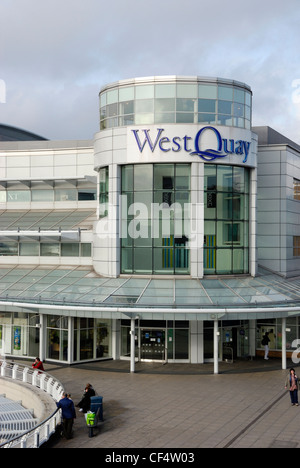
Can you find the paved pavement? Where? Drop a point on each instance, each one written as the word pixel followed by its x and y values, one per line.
pixel 180 406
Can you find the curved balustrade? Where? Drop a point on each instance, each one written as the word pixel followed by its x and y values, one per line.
pixel 33 438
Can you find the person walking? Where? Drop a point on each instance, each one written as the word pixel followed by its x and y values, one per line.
pixel 292 383
pixel 68 414
pixel 265 342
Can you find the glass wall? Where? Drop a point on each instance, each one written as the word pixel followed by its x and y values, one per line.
pixel 274 328
pixel 103 192
pixel 154 335
pixel 155 218
pixel 226 219
pixel 46 249
pixel 92 339
pixel 57 338
pixel 47 195
pixel 176 102
pixel 19 334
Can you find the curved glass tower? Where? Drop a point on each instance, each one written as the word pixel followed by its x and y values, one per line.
pixel 175 157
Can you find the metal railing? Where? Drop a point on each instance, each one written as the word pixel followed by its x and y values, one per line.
pixel 37 436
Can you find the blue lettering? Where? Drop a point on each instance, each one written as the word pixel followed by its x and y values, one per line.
pixel 185 139
pixel 231 149
pixel 223 146
pixel 240 147
pixel 209 154
pixel 177 144
pixel 246 148
pixel 161 142
pixel 152 146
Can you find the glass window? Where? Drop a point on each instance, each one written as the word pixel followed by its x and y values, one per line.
pixel 224 178
pixel 238 110
pixel 103 99
pixel 112 96
pixel 144 106
pixel 144 92
pixel 127 178
pixel 296 189
pixel 296 246
pixel 182 180
pixel 126 94
pixel 42 195
pixel 57 338
pixel 154 240
pixel 86 249
pixel 224 120
pixel 186 105
pixel 143 177
pixel 144 119
pixel 8 248
pixel 238 95
pixel 165 91
pixel 164 176
pixel 70 249
pixel 164 117
pixel 142 260
pixel 112 110
pixel 50 250
pixel 87 194
pixel 65 194
pixel 18 196
pixel 206 118
pixel 225 93
pixel 137 104
pixel 126 120
pixel 103 191
pixel 126 107
pixel 187 91
pixel 29 249
pixel 206 105
pixel 248 99
pixel 226 225
pixel 207 91
pixel 185 117
pixel 224 107
pixel 164 105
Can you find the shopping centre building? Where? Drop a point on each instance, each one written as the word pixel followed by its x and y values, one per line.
pixel 173 236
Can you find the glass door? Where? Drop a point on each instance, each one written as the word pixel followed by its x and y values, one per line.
pixel 153 344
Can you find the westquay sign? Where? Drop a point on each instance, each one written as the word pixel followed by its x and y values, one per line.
pixel 222 146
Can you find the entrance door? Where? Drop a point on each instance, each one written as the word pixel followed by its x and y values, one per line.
pixel 153 345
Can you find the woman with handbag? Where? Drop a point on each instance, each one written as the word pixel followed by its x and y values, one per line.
pixel 292 383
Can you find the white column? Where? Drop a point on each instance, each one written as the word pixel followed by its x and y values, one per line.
pixel 132 346
pixel 216 347
pixel 42 345
pixel 70 339
pixel 283 343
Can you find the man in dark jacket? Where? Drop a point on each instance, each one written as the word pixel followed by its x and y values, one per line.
pixel 68 414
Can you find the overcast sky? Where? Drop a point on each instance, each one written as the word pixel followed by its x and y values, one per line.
pixel 55 55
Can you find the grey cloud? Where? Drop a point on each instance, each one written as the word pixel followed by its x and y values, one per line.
pixel 56 55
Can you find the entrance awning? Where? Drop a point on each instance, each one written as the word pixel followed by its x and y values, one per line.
pixel 64 289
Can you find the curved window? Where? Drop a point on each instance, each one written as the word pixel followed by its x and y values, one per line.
pixel 204 103
pixel 155 219
pixel 226 220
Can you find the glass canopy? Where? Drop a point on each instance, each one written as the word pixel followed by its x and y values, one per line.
pixel 81 287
